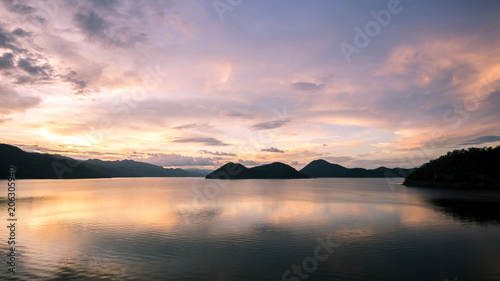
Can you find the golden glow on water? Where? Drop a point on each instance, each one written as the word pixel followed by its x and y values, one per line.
pixel 69 223
pixel 163 208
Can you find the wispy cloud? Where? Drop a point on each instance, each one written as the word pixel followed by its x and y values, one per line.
pixel 11 101
pixel 108 31
pixel 481 140
pixel 339 159
pixel 217 153
pixel 271 124
pixel 91 23
pixel 177 160
pixel 240 114
pixel 205 141
pixel 186 126
pixel 307 86
pixel 148 75
pixel 272 149
pixel 248 162
pixel 6 61
pixel 17 7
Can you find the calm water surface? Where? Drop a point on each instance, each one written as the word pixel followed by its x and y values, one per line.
pixel 197 229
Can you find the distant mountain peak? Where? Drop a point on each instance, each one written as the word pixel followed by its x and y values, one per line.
pixel 320 161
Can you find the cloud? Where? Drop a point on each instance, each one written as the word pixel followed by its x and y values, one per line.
pixel 389 163
pixel 481 140
pixel 7 61
pixel 382 144
pixel 272 149
pixel 217 153
pixel 104 4
pixel 6 40
pixel 271 124
pixel 248 162
pixel 399 92
pixel 187 126
pixel 11 101
pixel 29 65
pixel 36 68
pixel 339 159
pixel 112 31
pixel 78 85
pixel 173 160
pixel 240 115
pixel 307 86
pixel 91 23
pixel 19 32
pixel 73 151
pixel 18 8
pixel 205 141
pixel 24 65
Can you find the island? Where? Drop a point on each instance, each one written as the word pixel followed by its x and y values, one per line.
pixel 472 168
pixel 274 170
pixel 323 169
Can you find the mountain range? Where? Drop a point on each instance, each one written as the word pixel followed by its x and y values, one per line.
pixel 31 165
pixel 471 168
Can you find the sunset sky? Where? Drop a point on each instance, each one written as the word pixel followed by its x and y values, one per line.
pixel 201 83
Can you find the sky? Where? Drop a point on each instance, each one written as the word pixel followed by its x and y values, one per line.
pixel 196 84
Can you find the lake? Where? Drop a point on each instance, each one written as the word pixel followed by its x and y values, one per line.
pixel 197 229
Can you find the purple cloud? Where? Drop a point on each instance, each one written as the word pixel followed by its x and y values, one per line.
pixel 272 149
pixel 271 124
pixel 205 141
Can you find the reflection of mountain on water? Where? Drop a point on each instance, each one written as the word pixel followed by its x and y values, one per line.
pixel 481 212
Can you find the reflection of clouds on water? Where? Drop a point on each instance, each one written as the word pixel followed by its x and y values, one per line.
pixel 124 229
pixel 27 200
pixel 68 272
pixel 199 214
pixel 269 228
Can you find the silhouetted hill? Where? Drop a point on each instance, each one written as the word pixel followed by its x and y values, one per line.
pixel 130 168
pixel 324 169
pixel 471 168
pixel 230 171
pixel 46 166
pixel 42 166
pixel 275 170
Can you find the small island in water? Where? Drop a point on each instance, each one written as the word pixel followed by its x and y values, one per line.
pixel 473 168
pixel 274 170
pixel 323 169
pixel 316 169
